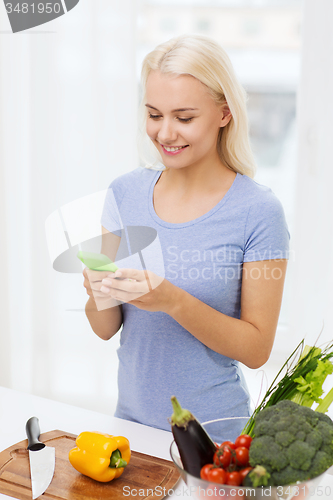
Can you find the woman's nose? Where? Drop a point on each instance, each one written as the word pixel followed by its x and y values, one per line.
pixel 167 132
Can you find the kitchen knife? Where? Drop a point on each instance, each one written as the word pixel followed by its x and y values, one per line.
pixel 41 457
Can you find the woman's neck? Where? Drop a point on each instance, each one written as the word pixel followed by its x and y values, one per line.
pixel 198 179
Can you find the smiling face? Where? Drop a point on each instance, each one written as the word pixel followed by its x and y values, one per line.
pixel 183 120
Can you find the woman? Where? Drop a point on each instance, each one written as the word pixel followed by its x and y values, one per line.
pixel 224 241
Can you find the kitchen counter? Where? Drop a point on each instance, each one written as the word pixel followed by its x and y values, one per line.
pixel 17 407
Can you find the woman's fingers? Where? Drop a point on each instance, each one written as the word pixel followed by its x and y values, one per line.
pixel 124 296
pixel 133 274
pixel 151 279
pixel 126 285
pixel 93 281
pixel 94 276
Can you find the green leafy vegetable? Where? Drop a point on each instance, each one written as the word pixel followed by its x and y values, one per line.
pixel 309 387
pixel 302 381
pixel 326 402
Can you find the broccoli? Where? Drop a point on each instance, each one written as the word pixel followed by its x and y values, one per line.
pixel 292 442
pixel 257 477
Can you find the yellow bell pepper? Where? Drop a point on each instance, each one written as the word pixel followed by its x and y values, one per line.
pixel 100 456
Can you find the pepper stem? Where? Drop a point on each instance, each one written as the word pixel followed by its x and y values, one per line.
pixel 180 416
pixel 116 461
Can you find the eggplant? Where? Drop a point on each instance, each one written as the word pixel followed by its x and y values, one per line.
pixel 195 446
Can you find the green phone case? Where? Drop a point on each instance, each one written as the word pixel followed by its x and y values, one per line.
pixel 97 261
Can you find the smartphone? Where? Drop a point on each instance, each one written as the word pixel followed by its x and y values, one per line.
pixel 97 261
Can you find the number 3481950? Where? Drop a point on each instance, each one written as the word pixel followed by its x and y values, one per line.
pixel 33 7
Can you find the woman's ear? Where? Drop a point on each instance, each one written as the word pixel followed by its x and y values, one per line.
pixel 226 115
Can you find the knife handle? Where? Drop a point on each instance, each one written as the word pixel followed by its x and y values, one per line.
pixel 33 432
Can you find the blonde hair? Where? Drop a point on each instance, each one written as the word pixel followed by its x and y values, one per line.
pixel 202 58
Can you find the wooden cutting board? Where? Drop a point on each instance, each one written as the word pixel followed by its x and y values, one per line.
pixel 142 474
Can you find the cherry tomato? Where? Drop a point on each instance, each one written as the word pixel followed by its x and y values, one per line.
pixel 243 440
pixel 233 478
pixel 228 443
pixel 244 472
pixel 242 456
pixel 204 471
pixel 217 475
pixel 222 457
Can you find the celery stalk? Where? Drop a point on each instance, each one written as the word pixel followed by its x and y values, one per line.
pixel 326 402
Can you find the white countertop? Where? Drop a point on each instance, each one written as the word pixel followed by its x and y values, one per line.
pixel 17 407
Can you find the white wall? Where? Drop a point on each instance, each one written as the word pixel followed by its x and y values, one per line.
pixel 68 96
pixel 312 269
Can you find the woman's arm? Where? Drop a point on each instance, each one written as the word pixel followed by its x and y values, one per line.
pixel 248 339
pixel 106 322
pixel 105 317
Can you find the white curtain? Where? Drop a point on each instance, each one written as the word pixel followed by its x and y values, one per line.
pixel 68 100
pixel 312 264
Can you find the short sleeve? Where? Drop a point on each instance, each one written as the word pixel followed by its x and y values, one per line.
pixel 111 218
pixel 266 233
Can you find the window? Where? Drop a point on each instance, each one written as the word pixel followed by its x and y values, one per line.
pixel 263 41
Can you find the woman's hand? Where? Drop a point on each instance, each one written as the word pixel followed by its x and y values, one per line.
pixel 144 289
pixel 93 283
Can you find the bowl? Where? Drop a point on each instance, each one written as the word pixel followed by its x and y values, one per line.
pixel 228 429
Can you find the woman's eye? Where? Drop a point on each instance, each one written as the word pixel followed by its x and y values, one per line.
pixel 185 120
pixel 157 117
pixel 154 117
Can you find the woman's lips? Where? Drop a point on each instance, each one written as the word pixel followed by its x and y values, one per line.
pixel 172 153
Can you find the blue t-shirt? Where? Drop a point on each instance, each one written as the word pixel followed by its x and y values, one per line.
pixel 158 358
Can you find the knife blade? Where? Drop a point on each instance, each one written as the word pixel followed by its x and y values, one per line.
pixel 41 458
